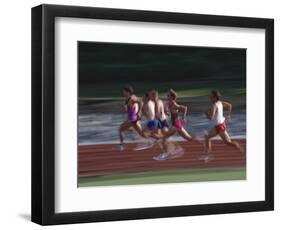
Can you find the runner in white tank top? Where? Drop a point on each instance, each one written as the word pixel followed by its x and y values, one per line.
pixel 160 113
pixel 177 127
pixel 216 115
pixel 219 118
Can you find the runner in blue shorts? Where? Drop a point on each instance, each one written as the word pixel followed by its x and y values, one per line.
pixel 161 112
pixel 148 110
pixel 151 127
pixel 152 124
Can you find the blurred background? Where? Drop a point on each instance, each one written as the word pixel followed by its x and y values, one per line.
pixel 105 68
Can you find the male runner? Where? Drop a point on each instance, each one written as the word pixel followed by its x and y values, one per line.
pixel 160 111
pixel 219 128
pixel 177 126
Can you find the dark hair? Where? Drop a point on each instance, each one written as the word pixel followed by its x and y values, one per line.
pixel 216 94
pixel 154 92
pixel 146 95
pixel 173 94
pixel 129 89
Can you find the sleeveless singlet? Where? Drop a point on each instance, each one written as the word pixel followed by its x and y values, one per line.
pixel 219 118
pixel 176 122
pixel 131 111
pixel 162 110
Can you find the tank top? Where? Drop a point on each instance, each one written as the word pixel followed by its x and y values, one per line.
pixel 161 110
pixel 132 113
pixel 132 110
pixel 150 110
pixel 174 117
pixel 219 118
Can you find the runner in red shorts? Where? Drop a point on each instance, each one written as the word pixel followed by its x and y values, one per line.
pixel 216 115
pixel 177 127
pixel 177 122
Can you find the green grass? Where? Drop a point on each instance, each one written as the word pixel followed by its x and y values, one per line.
pixel 172 176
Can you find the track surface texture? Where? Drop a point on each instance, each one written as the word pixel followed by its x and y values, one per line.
pixel 105 159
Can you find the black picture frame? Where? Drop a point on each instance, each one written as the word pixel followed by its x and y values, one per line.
pixel 43 110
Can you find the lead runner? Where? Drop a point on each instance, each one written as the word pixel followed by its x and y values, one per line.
pixel 219 128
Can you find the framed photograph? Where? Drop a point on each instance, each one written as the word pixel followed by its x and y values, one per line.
pixel 142 114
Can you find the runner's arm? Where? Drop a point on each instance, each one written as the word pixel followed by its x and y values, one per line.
pixel 124 108
pixel 135 99
pixel 140 105
pixel 211 115
pixel 182 108
pixel 228 107
pixel 166 109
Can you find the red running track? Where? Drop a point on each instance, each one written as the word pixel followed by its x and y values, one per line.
pixel 104 159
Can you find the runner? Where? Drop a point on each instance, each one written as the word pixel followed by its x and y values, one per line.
pixel 149 112
pixel 151 129
pixel 177 124
pixel 133 109
pixel 160 111
pixel 219 128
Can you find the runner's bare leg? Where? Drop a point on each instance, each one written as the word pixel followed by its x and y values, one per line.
pixel 226 138
pixel 183 133
pixel 123 127
pixel 208 144
pixel 167 134
pixel 140 130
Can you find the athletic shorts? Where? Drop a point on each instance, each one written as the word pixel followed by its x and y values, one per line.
pixel 134 121
pixel 221 127
pixel 153 124
pixel 163 124
pixel 178 124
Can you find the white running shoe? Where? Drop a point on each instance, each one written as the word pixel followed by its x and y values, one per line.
pixel 178 152
pixel 120 147
pixel 206 158
pixel 161 157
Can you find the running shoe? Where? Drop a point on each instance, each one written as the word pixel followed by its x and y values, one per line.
pixel 120 147
pixel 161 157
pixel 178 152
pixel 206 158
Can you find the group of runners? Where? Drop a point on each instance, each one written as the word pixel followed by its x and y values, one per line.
pixel 157 113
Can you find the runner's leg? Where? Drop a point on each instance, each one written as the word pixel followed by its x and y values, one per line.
pixel 208 144
pixel 225 136
pixel 167 134
pixel 183 133
pixel 139 129
pixel 170 132
pixel 123 127
pixel 156 133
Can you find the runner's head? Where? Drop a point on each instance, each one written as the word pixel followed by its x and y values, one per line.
pixel 172 95
pixel 128 91
pixel 145 98
pixel 215 96
pixel 154 95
